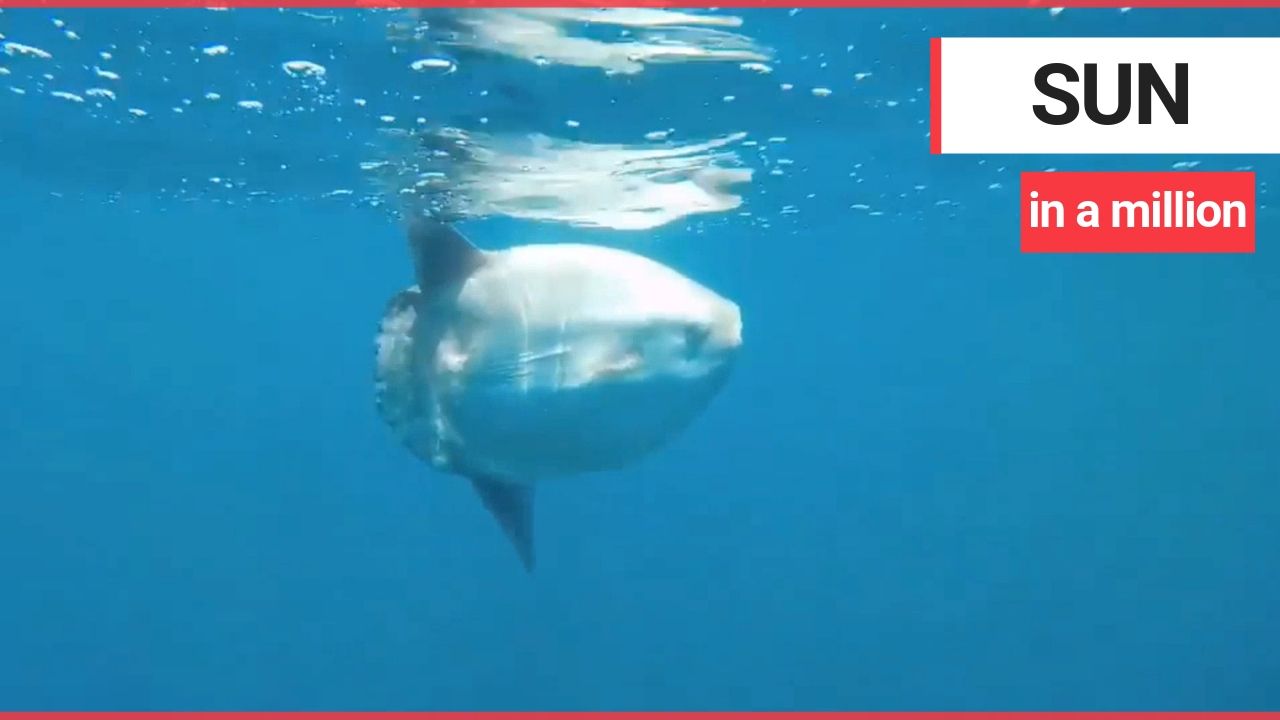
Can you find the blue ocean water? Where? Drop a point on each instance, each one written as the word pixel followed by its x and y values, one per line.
pixel 944 475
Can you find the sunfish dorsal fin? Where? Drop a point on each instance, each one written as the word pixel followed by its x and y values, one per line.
pixel 441 255
pixel 512 506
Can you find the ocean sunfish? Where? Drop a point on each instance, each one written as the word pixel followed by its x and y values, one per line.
pixel 542 361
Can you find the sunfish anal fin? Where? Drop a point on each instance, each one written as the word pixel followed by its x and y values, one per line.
pixel 512 506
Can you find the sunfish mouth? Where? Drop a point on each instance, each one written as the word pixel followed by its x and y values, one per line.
pixel 726 328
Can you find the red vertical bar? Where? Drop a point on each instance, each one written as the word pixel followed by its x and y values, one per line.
pixel 935 96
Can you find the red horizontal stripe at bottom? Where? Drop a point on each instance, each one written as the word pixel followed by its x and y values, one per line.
pixel 736 4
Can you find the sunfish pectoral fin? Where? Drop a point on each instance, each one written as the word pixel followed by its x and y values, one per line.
pixel 512 506
pixel 624 365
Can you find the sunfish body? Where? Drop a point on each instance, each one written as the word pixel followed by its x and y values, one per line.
pixel 516 366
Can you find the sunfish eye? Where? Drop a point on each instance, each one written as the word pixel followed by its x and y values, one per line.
pixel 695 336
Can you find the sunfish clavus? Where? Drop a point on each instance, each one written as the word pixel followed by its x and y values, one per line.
pixel 516 366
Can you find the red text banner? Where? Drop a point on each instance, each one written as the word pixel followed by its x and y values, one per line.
pixel 1138 212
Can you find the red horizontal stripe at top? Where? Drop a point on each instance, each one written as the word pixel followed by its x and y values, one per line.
pixel 643 3
pixel 717 715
